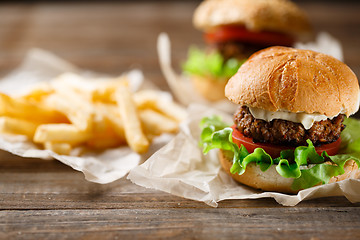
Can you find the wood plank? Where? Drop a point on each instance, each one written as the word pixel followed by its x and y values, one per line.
pixel 39 184
pixel 276 223
pixel 139 199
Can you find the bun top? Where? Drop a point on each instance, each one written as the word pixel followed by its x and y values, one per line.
pixel 294 80
pixel 256 15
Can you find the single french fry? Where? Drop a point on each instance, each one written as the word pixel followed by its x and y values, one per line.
pixel 155 123
pixel 60 133
pixel 17 126
pixel 155 100
pixel 132 126
pixel 59 148
pixel 19 108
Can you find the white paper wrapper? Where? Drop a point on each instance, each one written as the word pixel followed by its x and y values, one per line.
pixel 181 169
pixel 183 90
pixel 100 167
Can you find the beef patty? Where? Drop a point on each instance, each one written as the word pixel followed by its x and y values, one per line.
pixel 288 133
pixel 238 50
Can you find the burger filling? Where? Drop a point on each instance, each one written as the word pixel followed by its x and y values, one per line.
pixel 229 47
pixel 304 164
pixel 210 64
pixel 283 132
pixel 236 41
pixel 237 50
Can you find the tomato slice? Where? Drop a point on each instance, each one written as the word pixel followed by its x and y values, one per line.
pixel 274 150
pixel 239 33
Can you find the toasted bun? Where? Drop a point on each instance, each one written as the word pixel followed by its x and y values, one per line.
pixel 288 79
pixel 256 15
pixel 210 89
pixel 270 180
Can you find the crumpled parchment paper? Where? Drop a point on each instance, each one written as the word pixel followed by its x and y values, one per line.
pixel 100 167
pixel 181 169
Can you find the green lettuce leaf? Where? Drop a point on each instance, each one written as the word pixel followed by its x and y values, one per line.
pixel 350 137
pixel 208 141
pixel 210 64
pixel 303 164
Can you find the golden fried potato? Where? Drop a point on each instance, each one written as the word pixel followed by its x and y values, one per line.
pixel 132 125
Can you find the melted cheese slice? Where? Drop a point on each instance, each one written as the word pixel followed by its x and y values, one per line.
pixel 306 119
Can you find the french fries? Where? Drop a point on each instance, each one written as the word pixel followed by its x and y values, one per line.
pixel 112 113
pixel 17 126
pixel 73 113
pixel 132 126
pixel 74 107
pixel 59 148
pixel 35 112
pixel 60 133
pixel 105 92
pixel 153 99
pixel 155 123
pixel 38 93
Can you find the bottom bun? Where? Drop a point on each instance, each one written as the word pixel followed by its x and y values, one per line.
pixel 270 180
pixel 210 89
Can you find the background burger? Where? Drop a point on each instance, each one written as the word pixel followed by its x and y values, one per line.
pixel 235 29
pixel 292 111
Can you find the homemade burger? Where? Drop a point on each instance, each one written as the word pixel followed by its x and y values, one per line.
pixel 235 29
pixel 286 134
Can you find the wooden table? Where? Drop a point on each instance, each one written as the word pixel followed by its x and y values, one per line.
pixel 46 199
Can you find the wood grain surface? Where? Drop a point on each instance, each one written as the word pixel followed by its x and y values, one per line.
pixel 48 200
